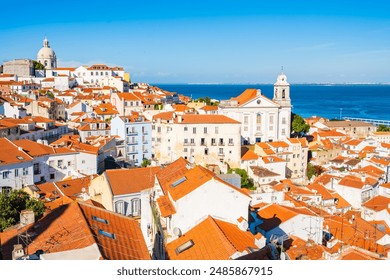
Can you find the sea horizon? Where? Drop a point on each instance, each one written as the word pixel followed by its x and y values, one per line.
pixel 332 101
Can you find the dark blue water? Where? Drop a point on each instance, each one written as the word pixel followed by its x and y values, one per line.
pixel 329 101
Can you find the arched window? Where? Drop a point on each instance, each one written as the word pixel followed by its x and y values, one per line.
pixel 284 93
pixel 45 62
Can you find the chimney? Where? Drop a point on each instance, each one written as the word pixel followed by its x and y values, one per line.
pixel 27 217
pixel 179 119
pixel 17 252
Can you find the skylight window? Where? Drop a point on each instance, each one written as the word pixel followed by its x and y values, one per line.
pixel 20 158
pixel 178 182
pixel 100 220
pixel 185 246
pixel 107 234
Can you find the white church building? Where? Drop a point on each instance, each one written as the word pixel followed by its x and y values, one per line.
pixel 47 56
pixel 262 119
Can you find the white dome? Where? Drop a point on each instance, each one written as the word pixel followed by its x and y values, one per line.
pixel 46 52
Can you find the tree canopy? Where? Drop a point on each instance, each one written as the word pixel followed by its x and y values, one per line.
pixel 299 125
pixel 246 181
pixel 11 204
pixel 383 128
pixel 38 65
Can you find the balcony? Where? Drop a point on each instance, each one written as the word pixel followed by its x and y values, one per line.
pixel 133 143
pixel 132 152
pixel 145 141
pixel 213 144
pixel 132 133
pixel 221 154
pixel 221 144
pixel 145 132
pixel 231 144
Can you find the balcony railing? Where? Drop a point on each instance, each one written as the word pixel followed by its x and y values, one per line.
pixel 133 143
pixel 132 133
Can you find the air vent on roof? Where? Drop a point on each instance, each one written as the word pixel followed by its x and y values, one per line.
pixel 184 247
pixel 178 182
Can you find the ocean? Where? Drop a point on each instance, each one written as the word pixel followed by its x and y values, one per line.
pixel 329 101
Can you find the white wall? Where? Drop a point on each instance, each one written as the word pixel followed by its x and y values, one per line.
pixel 212 198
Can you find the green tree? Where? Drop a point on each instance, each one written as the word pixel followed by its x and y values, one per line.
pixel 50 94
pixel 13 203
pixel 38 65
pixel 299 125
pixel 146 162
pixel 383 128
pixel 314 170
pixel 246 182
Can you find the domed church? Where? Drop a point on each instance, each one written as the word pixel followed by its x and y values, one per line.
pixel 47 56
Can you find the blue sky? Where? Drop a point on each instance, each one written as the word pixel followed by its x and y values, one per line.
pixel 208 41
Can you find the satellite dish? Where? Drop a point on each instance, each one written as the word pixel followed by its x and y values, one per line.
pixel 177 231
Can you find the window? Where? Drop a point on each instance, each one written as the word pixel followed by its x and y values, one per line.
pixel 258 118
pixel 202 142
pixel 25 171
pixel 216 130
pixel 245 128
pixel 59 163
pixel 100 220
pixel 246 119
pixel 271 119
pixel 231 141
pixel 221 141
pixel 194 130
pixel 120 207
pixel 69 163
pixel 185 150
pixel 283 131
pixel 271 128
pixel 186 141
pixel 106 234
pixel 205 129
pixel 136 207
pixel 16 172
pixel 192 141
pixel 5 174
pixel 212 141
pixel 52 176
pixel 220 151
pixel 283 120
pixel 283 93
pixel 36 169
pixel 83 161
pixel 185 128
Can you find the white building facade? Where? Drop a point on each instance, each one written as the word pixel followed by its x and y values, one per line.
pixel 261 119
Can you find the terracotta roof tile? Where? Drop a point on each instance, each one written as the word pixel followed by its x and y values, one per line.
pixel 249 155
pixel 194 119
pixel 212 240
pixel 10 153
pixel 166 207
pixel 126 181
pixel 378 203
pixel 351 181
